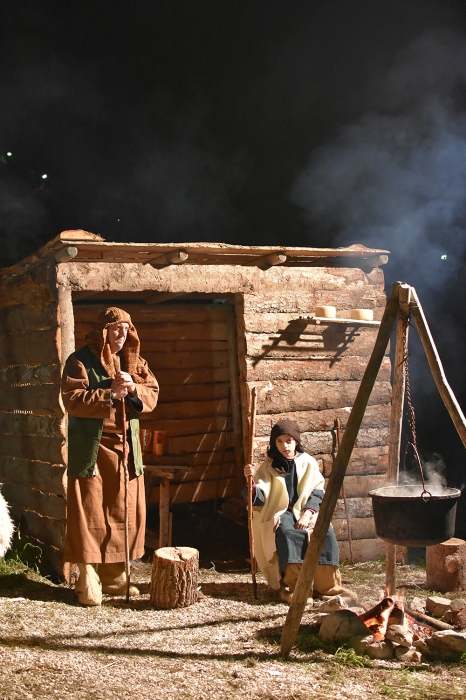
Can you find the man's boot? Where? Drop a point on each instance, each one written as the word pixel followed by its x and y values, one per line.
pixel 88 587
pixel 113 577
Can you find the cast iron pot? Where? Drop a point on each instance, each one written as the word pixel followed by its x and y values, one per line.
pixel 403 516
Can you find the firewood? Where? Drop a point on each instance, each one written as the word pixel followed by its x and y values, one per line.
pixel 174 577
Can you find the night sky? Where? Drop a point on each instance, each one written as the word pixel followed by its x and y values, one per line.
pixel 260 122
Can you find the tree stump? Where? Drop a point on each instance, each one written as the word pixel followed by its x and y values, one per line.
pixel 446 566
pixel 174 577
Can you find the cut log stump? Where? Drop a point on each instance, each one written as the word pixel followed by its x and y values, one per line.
pixel 446 566
pixel 174 579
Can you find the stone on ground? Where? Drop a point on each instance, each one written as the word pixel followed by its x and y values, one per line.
pixel 341 625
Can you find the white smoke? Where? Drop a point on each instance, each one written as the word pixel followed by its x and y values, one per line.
pixel 396 178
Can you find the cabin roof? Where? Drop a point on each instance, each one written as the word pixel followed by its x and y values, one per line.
pixel 83 246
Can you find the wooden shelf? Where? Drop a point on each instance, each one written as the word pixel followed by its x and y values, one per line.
pixel 346 321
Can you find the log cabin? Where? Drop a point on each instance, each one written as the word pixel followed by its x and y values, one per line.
pixel 214 320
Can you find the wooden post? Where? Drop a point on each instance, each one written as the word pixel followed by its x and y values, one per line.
pixel 303 586
pixel 252 430
pixel 396 422
pixel 435 364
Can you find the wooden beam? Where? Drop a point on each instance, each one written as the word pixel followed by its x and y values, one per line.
pixel 396 421
pixel 303 586
pixel 66 254
pixel 436 367
pixel 267 261
pixel 161 297
pixel 175 257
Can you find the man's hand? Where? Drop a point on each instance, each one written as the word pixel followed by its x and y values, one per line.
pixel 306 521
pixel 122 385
pixel 249 470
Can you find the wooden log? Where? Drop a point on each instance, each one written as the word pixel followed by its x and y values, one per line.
pixel 143 316
pixel 331 368
pixel 359 486
pixel 446 566
pixel 363 550
pixel 185 360
pixel 311 558
pixel 197 491
pixel 24 498
pixel 23 319
pixel 66 341
pixel 361 528
pixel 33 286
pixel 198 459
pixel 208 442
pixel 360 507
pixel 396 421
pixel 174 578
pixel 45 449
pixel 334 341
pixel 377 416
pixel 364 460
pixel 284 396
pixel 435 364
pixel 30 424
pixel 323 441
pixel 44 529
pixel 192 392
pixel 42 400
pixel 174 331
pixel 33 474
pixel 293 301
pixel 174 257
pixel 29 374
pixel 279 323
pixel 192 409
pixel 197 375
pixel 35 347
pixel 188 426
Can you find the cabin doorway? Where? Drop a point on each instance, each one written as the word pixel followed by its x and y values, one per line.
pixel 190 345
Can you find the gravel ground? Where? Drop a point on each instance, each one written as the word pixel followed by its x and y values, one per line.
pixel 227 645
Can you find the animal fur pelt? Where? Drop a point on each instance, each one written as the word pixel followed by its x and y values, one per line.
pixel 6 527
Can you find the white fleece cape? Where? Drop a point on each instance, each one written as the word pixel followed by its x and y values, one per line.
pixel 266 517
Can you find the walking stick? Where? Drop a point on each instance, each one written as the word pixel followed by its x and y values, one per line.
pixel 252 429
pixel 126 475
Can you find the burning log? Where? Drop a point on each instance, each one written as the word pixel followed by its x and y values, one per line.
pixel 376 619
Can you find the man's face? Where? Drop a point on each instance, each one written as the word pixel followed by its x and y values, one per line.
pixel 116 336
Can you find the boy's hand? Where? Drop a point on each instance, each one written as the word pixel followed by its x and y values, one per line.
pixel 249 470
pixel 306 521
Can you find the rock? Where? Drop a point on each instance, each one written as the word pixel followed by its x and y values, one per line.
pixel 421 646
pixel 446 645
pixel 437 606
pixel 359 643
pixel 380 650
pixel 335 603
pixel 401 634
pixel 317 618
pixel 411 655
pixel 460 619
pixel 368 604
pixel 418 605
pixel 340 626
pixel 358 611
pixel 457 604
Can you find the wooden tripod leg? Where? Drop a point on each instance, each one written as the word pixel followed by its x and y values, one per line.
pixel 396 422
pixel 303 586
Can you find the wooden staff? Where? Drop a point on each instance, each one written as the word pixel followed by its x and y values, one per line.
pixel 311 558
pixel 343 493
pixel 116 362
pixel 252 430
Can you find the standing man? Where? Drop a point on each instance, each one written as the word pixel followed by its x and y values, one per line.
pixel 97 378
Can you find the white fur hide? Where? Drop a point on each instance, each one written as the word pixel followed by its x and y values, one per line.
pixel 6 527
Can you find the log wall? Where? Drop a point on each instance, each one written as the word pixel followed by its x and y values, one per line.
pixel 32 433
pixel 311 373
pixel 188 349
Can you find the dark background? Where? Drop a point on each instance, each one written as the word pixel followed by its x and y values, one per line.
pixel 261 122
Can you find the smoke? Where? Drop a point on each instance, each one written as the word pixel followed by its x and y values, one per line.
pixel 396 177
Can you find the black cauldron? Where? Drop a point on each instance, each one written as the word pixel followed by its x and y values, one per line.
pixel 409 516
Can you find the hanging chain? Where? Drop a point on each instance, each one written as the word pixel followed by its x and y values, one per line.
pixel 411 416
